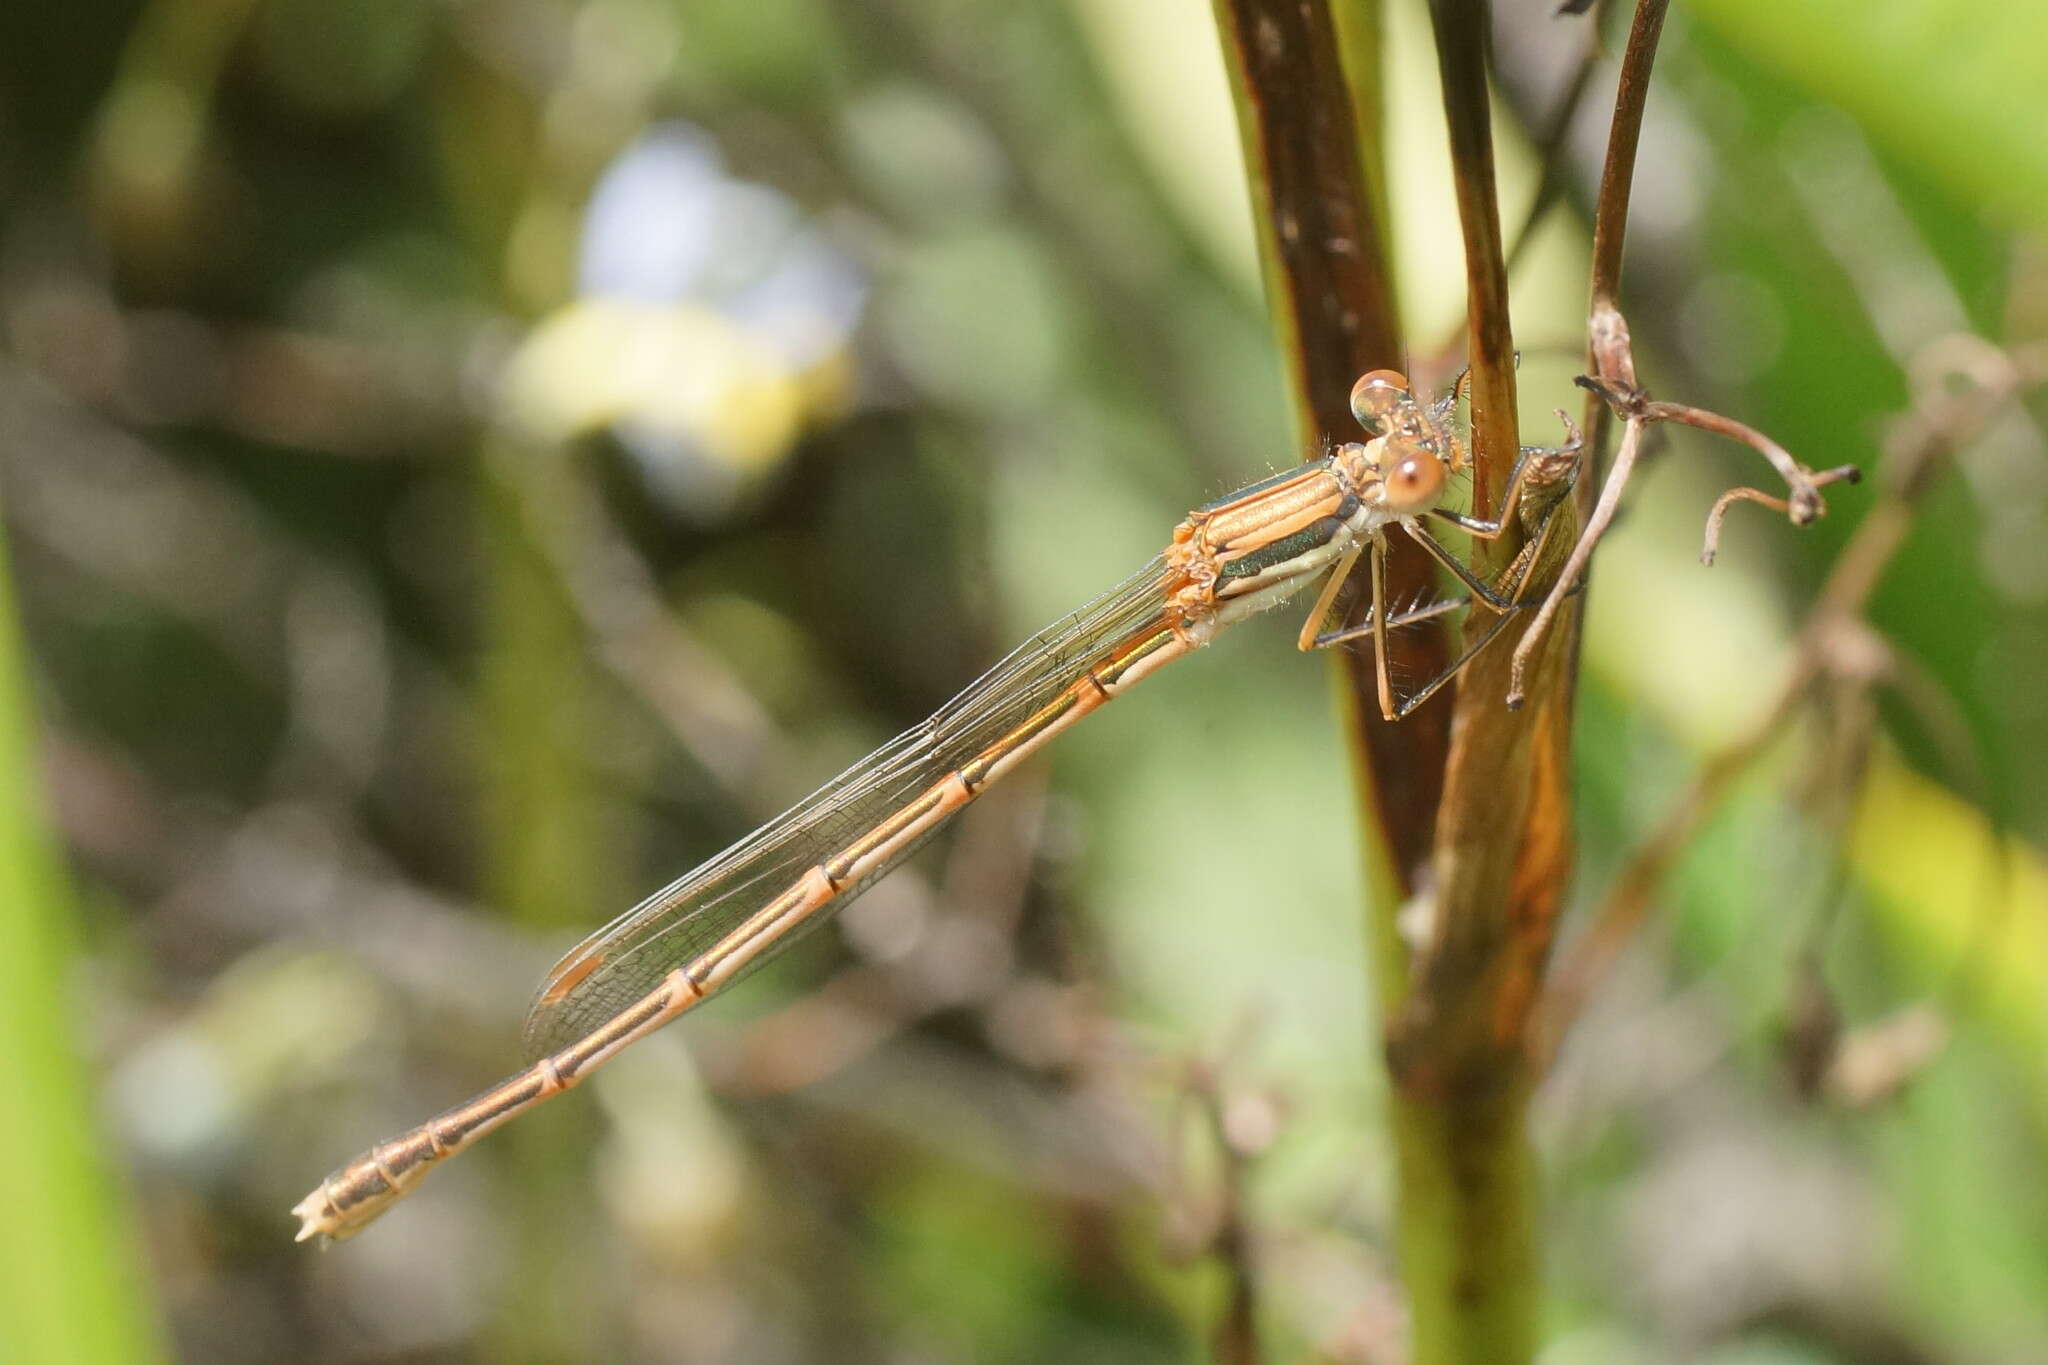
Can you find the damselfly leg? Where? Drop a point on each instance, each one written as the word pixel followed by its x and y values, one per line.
pixel 1500 602
pixel 1382 403
pixel 1421 443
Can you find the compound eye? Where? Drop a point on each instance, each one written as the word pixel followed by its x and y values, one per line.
pixel 1413 484
pixel 1377 396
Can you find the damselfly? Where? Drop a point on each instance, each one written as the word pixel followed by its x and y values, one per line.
pixel 1229 560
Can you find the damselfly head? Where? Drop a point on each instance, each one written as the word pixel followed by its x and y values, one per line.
pixel 1421 446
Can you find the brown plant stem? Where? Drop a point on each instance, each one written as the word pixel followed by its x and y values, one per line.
pixel 1329 294
pixel 1468 1202
pixel 1501 855
pixel 1610 219
pixel 1464 57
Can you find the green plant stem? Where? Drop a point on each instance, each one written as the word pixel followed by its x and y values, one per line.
pixel 1462 1078
pixel 545 865
pixel 1466 1218
pixel 70 1283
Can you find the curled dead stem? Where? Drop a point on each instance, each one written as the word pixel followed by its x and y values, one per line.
pixel 1614 384
pixel 1835 649
pixel 1239 1123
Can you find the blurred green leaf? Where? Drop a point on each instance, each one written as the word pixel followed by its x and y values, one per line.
pixel 1957 88
pixel 68 1282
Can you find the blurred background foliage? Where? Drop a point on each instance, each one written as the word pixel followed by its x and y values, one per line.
pixel 465 463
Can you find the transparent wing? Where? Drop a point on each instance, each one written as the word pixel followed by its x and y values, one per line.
pixel 628 957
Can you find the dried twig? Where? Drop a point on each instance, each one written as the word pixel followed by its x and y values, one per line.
pixel 1615 386
pixel 1710 546
pixel 1825 647
pixel 1241 1122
